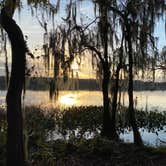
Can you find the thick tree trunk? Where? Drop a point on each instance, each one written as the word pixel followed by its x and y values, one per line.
pixel 137 137
pixel 108 128
pixel 15 145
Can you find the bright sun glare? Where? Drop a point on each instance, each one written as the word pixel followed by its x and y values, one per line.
pixel 75 66
pixel 69 99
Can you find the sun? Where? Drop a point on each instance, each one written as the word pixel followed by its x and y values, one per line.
pixel 75 66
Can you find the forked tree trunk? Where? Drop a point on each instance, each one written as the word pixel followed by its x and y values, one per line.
pixel 107 124
pixel 137 137
pixel 108 128
pixel 15 145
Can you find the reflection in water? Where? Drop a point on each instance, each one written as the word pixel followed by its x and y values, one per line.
pixel 69 99
pixel 79 98
pixel 147 100
pixel 149 138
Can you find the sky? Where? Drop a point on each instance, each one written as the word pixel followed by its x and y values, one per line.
pixel 160 33
pixel 34 31
pixel 31 28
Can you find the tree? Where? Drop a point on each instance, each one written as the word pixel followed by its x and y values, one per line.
pixel 15 141
pixel 108 128
pixel 137 19
pixel 96 37
pixel 15 145
pixel 136 24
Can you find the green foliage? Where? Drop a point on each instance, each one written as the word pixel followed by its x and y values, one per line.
pixel 39 122
pixel 161 149
pixel 82 122
pixel 153 121
pixel 77 121
pixel 99 151
pixel 83 147
pixel 44 155
pixel 86 121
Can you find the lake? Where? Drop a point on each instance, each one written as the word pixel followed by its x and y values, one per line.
pixel 150 100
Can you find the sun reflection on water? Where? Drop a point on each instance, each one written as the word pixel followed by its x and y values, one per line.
pixel 69 99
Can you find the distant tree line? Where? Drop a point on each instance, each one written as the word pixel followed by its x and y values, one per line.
pixel 43 83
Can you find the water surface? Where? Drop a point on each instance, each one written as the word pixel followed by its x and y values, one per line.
pixel 150 100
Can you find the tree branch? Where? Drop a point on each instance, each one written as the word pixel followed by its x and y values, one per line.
pixel 96 51
pixel 117 11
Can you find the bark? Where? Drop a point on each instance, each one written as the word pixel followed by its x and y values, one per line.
pixel 54 82
pixel 6 61
pixel 15 145
pixel 106 127
pixel 114 134
pixel 115 93
pixel 137 137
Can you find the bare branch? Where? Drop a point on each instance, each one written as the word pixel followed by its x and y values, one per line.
pixel 120 13
pixel 96 51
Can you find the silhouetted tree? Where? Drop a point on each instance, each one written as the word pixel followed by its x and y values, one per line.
pixel 136 20
pixel 98 40
pixel 15 142
pixel 15 145
pixel 137 24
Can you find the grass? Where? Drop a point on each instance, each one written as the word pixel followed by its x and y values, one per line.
pixel 101 152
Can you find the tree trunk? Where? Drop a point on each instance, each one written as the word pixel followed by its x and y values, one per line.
pixel 114 134
pixel 115 93
pixel 137 137
pixel 106 127
pixel 6 61
pixel 15 145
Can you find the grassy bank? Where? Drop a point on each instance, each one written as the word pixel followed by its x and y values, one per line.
pixel 98 152
pixel 75 124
